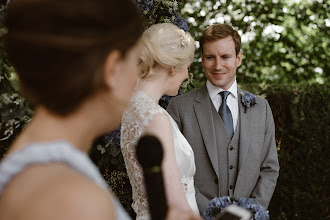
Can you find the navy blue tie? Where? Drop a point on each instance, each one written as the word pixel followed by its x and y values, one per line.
pixel 225 114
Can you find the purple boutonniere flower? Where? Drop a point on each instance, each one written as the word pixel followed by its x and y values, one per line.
pixel 248 100
pixel 145 5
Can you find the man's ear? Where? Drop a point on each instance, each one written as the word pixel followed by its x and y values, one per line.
pixel 202 57
pixel 112 68
pixel 239 59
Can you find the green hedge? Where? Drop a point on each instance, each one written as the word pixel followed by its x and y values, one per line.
pixel 302 118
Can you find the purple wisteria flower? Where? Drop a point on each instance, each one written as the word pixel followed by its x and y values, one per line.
pixel 145 5
pixel 248 100
pixel 165 99
pixel 113 137
pixel 181 22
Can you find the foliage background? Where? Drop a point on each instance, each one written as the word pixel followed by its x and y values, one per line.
pixel 302 122
pixel 15 112
pixel 284 41
pixel 286 60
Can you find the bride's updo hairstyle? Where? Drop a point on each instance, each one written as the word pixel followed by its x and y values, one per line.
pixel 167 45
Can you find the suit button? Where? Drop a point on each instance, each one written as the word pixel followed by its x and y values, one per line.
pixel 231 167
pixel 216 181
pixel 231 148
pixel 231 187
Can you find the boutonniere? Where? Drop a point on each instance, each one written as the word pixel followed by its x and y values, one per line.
pixel 248 100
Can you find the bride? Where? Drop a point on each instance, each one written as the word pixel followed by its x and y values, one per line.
pixel 167 53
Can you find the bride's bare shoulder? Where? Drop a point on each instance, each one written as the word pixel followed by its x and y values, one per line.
pixel 160 123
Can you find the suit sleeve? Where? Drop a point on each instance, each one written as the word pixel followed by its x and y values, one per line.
pixel 173 110
pixel 202 201
pixel 269 169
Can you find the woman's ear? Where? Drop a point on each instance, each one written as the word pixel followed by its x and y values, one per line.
pixel 112 69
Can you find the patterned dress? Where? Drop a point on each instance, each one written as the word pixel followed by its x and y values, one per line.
pixel 136 118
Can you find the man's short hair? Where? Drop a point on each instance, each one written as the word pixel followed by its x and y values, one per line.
pixel 220 31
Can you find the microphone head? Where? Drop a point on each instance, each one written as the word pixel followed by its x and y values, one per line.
pixel 149 151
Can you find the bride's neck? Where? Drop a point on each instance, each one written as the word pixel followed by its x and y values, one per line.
pixel 154 88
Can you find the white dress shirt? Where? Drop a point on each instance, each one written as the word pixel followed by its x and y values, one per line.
pixel 232 100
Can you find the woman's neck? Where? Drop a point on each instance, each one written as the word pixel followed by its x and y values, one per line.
pixel 154 86
pixel 46 126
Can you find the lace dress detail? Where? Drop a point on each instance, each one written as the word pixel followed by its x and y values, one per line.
pixel 55 152
pixel 136 118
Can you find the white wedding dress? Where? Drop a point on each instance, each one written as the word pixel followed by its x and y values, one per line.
pixel 138 114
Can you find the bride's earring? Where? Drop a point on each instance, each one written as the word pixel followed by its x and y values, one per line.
pixel 172 71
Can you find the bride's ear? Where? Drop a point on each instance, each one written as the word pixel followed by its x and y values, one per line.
pixel 112 69
pixel 172 71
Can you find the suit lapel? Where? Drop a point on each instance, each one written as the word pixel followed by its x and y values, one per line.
pixel 203 110
pixel 245 124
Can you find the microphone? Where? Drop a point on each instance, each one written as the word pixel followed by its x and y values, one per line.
pixel 149 152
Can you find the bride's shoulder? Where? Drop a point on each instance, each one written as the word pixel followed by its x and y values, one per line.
pixel 160 118
pixel 141 106
pixel 142 112
pixel 159 124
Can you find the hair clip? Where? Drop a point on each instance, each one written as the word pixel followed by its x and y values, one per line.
pixel 182 43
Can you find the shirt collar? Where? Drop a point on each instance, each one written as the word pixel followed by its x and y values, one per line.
pixel 214 90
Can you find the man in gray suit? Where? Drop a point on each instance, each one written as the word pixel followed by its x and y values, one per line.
pixel 231 131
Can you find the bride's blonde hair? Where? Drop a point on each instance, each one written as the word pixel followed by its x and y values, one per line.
pixel 167 45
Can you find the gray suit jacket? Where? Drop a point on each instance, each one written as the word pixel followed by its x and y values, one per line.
pixel 258 166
